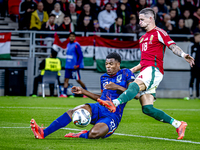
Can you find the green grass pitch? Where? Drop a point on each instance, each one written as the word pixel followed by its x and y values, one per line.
pixel 135 132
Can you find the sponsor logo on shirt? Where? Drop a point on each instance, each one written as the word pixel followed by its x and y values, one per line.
pixel 146 39
pixel 141 40
pixel 69 56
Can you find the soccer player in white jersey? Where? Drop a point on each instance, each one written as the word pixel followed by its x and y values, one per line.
pixel 152 45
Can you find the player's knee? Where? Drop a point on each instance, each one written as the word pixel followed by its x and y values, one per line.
pixel 147 109
pixel 70 112
pixel 94 134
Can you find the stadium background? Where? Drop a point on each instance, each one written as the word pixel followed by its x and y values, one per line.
pixel 136 130
pixel 26 53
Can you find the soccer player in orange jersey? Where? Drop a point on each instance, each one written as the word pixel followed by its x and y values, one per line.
pixel 152 45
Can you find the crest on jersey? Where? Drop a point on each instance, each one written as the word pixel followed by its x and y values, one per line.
pixel 151 39
pixel 141 40
pixel 104 83
pixel 119 78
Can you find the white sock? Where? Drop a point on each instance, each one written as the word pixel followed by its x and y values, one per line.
pixel 116 102
pixel 176 123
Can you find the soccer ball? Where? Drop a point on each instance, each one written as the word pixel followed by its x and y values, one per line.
pixel 81 117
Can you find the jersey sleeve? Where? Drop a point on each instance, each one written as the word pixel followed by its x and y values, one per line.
pixel 129 76
pixel 164 38
pixel 79 53
pixel 101 84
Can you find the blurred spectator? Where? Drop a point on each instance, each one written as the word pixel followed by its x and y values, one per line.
pixel 196 17
pixel 174 18
pixel 181 29
pixel 64 6
pixel 133 27
pixel 58 13
pixel 71 1
pixel 159 18
pixel 168 3
pixel 48 5
pixel 162 7
pixel 114 4
pixel 133 3
pixel 97 28
pixel 123 13
pixel 197 28
pixel 102 3
pixel 166 24
pixel 86 25
pixel 86 12
pixel 188 19
pixel 49 26
pixel 38 17
pixel 189 5
pixel 175 6
pixel 73 14
pixel 194 51
pixel 94 7
pixel 128 6
pixel 79 6
pixel 67 25
pixel 25 10
pixel 117 27
pixel 141 5
pixel 107 17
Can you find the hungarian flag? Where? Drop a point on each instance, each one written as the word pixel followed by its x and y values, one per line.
pixel 87 47
pixel 5 39
pixel 128 50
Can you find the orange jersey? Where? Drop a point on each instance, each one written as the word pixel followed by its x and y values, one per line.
pixel 152 46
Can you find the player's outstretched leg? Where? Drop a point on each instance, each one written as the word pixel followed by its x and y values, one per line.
pixel 162 116
pixel 60 122
pixel 81 134
pixel 181 130
pixel 37 131
pixel 126 96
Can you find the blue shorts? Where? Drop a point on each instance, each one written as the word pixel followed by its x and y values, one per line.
pixel 101 114
pixel 72 74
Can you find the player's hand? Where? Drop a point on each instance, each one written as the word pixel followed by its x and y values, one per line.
pixel 133 70
pixel 75 67
pixel 77 90
pixel 111 86
pixel 189 59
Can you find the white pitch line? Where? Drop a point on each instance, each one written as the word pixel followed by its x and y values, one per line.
pixel 140 136
pixel 166 109
pixel 121 134
pixel 73 107
pixel 41 107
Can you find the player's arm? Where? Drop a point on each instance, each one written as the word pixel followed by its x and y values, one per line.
pixel 179 52
pixel 80 56
pixel 136 68
pixel 113 86
pixel 79 90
